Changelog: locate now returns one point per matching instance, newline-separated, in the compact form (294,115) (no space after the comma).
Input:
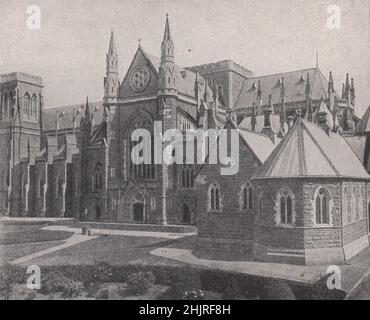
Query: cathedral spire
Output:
(87,109)
(167,31)
(111,82)
(331,92)
(331,82)
(309,111)
(167,77)
(112,45)
(282,110)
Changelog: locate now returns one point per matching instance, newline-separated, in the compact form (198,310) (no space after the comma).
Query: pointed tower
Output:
(309,110)
(282,110)
(353,92)
(331,92)
(111,82)
(259,98)
(167,77)
(253,118)
(347,90)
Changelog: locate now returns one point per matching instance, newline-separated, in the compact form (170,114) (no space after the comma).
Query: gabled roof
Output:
(185,79)
(69,112)
(259,144)
(364,124)
(307,151)
(294,85)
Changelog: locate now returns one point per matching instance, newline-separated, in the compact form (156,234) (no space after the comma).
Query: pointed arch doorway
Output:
(138,211)
(184,214)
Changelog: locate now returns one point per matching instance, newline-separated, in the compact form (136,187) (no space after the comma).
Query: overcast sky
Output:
(265,36)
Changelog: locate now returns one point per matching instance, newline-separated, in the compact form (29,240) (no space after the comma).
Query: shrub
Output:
(278,290)
(57,282)
(194,295)
(5,289)
(13,274)
(103,294)
(102,272)
(233,291)
(139,283)
(188,280)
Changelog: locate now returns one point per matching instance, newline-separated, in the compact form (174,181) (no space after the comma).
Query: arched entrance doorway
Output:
(138,211)
(185,214)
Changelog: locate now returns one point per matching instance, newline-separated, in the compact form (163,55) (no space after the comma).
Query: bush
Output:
(140,283)
(5,289)
(278,290)
(233,291)
(102,272)
(13,274)
(103,294)
(188,280)
(194,295)
(57,282)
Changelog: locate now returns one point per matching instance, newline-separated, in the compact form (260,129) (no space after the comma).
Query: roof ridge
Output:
(275,154)
(321,150)
(280,73)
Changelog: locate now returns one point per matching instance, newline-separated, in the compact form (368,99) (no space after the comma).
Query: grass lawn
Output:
(12,252)
(115,250)
(30,234)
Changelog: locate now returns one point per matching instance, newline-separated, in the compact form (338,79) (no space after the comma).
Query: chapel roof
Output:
(308,151)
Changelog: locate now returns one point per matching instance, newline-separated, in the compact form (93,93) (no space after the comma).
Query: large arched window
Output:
(246,197)
(322,206)
(98,177)
(285,204)
(26,104)
(187,177)
(141,120)
(214,200)
(33,106)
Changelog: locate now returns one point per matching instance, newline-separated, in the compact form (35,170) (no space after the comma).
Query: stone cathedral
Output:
(75,161)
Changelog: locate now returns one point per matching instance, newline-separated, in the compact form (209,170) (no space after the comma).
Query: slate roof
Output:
(259,144)
(185,79)
(246,123)
(358,144)
(66,121)
(307,151)
(364,125)
(294,84)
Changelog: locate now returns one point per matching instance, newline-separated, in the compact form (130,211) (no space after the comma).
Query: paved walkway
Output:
(128,233)
(75,239)
(296,273)
(34,219)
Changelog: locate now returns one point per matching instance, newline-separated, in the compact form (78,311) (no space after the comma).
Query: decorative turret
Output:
(86,123)
(331,92)
(259,95)
(254,119)
(309,112)
(111,82)
(282,110)
(167,76)
(347,89)
(353,92)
